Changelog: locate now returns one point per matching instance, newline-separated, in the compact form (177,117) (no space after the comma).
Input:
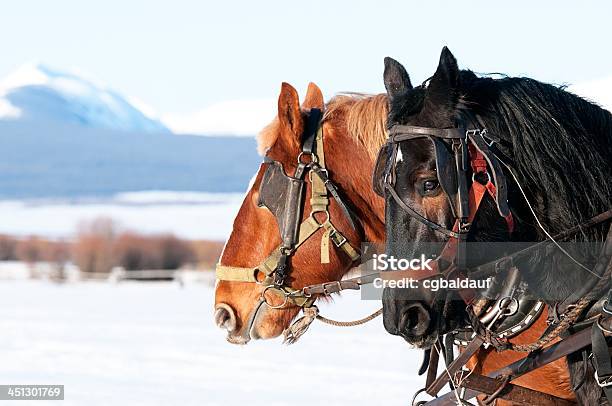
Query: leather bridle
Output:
(469,146)
(284,196)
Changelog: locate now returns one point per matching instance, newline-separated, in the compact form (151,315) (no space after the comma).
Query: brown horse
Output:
(353,131)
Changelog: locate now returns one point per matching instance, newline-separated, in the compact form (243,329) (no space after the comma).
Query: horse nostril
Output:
(414,320)
(225,317)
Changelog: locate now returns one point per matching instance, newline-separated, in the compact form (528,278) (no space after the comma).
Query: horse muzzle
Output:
(409,319)
(225,318)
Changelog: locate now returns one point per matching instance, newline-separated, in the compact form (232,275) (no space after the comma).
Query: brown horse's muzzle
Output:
(225,318)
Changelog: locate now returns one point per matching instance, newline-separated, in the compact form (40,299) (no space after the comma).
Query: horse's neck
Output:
(350,166)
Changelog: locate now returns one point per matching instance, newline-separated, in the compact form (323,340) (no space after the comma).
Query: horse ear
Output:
(314,98)
(289,117)
(289,109)
(396,78)
(443,93)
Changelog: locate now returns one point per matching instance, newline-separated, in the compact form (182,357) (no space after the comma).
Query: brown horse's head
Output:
(256,234)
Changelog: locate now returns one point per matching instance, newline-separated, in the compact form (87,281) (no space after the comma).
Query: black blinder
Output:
(384,169)
(446,170)
(275,191)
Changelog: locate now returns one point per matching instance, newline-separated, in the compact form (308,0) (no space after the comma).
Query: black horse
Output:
(557,157)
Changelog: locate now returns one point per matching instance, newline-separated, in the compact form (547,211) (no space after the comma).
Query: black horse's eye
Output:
(430,185)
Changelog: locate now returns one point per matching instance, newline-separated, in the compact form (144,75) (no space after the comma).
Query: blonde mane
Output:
(364,116)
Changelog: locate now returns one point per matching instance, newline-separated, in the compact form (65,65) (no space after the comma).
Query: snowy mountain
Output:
(40,94)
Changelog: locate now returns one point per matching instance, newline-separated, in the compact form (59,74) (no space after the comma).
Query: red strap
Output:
(449,252)
(477,160)
(477,191)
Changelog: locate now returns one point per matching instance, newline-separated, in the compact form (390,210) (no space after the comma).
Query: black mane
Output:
(560,144)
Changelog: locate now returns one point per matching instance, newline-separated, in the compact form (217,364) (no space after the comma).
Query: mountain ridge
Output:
(59,160)
(36,92)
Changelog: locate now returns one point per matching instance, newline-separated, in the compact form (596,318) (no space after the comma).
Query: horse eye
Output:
(430,185)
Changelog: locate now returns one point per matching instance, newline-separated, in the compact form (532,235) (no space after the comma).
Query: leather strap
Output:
(432,367)
(517,394)
(494,267)
(333,190)
(601,361)
(454,367)
(558,350)
(399,133)
(268,265)
(418,217)
(312,126)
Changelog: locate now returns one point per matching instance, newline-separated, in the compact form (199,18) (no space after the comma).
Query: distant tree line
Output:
(99,247)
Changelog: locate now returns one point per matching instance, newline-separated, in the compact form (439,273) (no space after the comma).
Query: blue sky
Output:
(183,55)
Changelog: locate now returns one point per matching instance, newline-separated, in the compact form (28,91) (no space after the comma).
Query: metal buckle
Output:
(263,297)
(483,134)
(315,169)
(603,382)
(256,273)
(601,327)
(486,173)
(473,132)
(340,242)
(605,307)
(325,285)
(313,158)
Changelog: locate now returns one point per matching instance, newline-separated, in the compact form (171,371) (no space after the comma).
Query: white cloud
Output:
(232,117)
(598,91)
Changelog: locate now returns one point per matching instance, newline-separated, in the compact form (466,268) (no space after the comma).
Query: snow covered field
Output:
(186,214)
(156,344)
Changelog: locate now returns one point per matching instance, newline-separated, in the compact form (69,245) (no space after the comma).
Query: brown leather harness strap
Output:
(454,367)
(513,393)
(558,350)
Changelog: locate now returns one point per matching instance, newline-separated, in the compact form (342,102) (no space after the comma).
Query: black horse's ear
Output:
(443,93)
(396,78)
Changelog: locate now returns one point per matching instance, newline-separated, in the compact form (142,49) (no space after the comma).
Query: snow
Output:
(38,92)
(7,110)
(186,214)
(156,344)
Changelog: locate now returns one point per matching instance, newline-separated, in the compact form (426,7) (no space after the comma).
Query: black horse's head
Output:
(424,203)
(540,154)
(416,314)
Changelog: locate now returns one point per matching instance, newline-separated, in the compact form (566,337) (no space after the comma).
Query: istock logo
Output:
(384,262)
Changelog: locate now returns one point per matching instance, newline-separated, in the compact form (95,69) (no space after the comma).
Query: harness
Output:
(456,150)
(283,195)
